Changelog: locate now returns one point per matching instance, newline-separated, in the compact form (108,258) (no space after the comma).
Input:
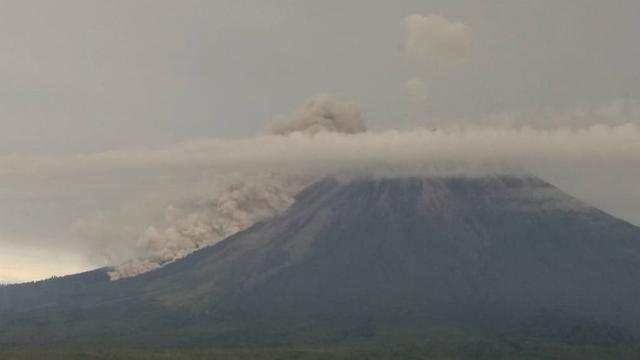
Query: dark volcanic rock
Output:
(373,257)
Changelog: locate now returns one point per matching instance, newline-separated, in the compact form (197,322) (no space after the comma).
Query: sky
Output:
(81,81)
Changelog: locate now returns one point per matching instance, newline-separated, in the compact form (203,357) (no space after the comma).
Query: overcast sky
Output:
(91,76)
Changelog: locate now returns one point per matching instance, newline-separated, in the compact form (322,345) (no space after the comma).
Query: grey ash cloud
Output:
(321,113)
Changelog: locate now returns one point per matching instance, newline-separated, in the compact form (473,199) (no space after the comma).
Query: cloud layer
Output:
(433,39)
(196,193)
(334,152)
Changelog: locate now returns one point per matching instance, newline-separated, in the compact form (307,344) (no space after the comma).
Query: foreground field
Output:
(477,349)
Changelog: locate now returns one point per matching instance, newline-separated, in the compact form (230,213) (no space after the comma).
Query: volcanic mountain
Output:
(367,258)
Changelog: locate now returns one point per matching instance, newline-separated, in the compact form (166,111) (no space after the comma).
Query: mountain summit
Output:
(367,258)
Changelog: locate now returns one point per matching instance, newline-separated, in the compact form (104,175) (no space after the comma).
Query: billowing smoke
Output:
(206,221)
(240,204)
(321,113)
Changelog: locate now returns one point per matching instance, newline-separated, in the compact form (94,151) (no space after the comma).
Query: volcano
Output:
(367,258)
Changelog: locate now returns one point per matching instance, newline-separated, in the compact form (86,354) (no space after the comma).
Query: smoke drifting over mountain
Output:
(321,113)
(163,215)
(328,152)
(206,221)
(314,145)
(210,220)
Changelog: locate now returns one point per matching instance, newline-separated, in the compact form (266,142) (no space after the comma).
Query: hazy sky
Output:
(92,76)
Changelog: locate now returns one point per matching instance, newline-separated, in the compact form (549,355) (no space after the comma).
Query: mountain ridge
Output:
(365,257)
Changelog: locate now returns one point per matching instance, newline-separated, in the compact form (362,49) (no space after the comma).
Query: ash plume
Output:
(206,221)
(321,113)
(180,178)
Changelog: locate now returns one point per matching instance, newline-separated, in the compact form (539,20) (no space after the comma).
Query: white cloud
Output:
(433,40)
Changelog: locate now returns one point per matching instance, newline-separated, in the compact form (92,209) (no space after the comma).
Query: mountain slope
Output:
(376,257)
